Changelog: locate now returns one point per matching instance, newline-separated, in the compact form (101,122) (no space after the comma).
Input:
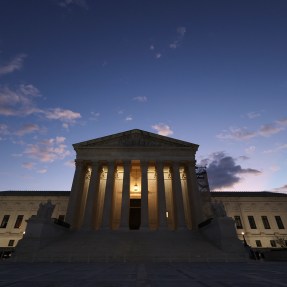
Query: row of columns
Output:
(84,198)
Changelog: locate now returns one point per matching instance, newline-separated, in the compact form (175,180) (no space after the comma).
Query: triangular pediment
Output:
(134,138)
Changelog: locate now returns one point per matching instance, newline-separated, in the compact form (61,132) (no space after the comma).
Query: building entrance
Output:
(135,214)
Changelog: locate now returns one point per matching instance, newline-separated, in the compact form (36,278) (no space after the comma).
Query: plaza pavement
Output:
(248,274)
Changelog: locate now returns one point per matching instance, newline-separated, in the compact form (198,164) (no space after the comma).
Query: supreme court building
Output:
(135,196)
(135,180)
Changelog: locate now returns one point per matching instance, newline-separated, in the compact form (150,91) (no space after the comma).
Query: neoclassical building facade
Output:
(145,185)
(135,180)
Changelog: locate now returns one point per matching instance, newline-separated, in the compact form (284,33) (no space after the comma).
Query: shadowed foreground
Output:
(143,274)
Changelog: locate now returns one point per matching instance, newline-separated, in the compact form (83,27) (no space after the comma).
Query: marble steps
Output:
(126,246)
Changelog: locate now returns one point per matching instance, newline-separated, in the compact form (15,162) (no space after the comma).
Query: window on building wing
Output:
(11,243)
(258,243)
(279,222)
(238,222)
(252,222)
(4,221)
(18,221)
(273,243)
(265,222)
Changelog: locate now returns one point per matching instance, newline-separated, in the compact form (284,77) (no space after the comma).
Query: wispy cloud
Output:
(250,149)
(120,112)
(129,118)
(140,99)
(282,122)
(94,116)
(223,172)
(42,170)
(280,189)
(237,134)
(21,102)
(4,130)
(32,166)
(28,165)
(242,134)
(180,35)
(27,129)
(269,129)
(70,163)
(158,55)
(48,150)
(253,115)
(277,149)
(80,3)
(14,65)
(62,115)
(163,129)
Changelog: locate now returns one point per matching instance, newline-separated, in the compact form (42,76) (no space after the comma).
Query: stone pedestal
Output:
(221,232)
(39,233)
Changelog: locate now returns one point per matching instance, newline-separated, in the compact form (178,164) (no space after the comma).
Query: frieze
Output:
(135,138)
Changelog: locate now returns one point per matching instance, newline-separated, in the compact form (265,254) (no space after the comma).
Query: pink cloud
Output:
(48,150)
(163,129)
(14,65)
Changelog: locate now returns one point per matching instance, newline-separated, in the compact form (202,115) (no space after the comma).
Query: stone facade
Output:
(22,205)
(135,196)
(151,172)
(261,217)
(243,204)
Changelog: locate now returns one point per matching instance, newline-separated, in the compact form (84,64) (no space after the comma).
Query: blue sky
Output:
(208,72)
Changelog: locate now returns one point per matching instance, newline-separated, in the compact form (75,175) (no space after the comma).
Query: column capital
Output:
(79,162)
(111,162)
(190,165)
(126,163)
(159,164)
(175,164)
(144,166)
(95,164)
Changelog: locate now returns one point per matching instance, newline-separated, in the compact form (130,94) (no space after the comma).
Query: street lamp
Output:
(244,240)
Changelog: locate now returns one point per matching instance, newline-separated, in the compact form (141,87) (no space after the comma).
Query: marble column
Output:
(107,210)
(177,191)
(193,194)
(92,198)
(125,211)
(162,220)
(76,192)
(144,196)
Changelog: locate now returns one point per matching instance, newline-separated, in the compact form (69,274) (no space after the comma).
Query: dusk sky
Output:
(210,72)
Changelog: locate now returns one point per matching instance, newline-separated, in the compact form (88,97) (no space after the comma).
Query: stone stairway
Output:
(129,246)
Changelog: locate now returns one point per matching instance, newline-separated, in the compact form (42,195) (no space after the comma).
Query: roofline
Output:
(34,193)
(247,194)
(161,137)
(213,193)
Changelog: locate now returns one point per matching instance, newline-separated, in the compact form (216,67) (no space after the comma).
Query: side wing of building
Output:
(260,217)
(18,206)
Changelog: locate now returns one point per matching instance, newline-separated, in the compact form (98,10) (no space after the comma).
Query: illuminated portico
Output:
(136,196)
(134,180)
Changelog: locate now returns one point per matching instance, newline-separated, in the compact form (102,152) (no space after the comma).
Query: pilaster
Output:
(162,220)
(107,211)
(177,190)
(144,196)
(92,197)
(77,189)
(126,196)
